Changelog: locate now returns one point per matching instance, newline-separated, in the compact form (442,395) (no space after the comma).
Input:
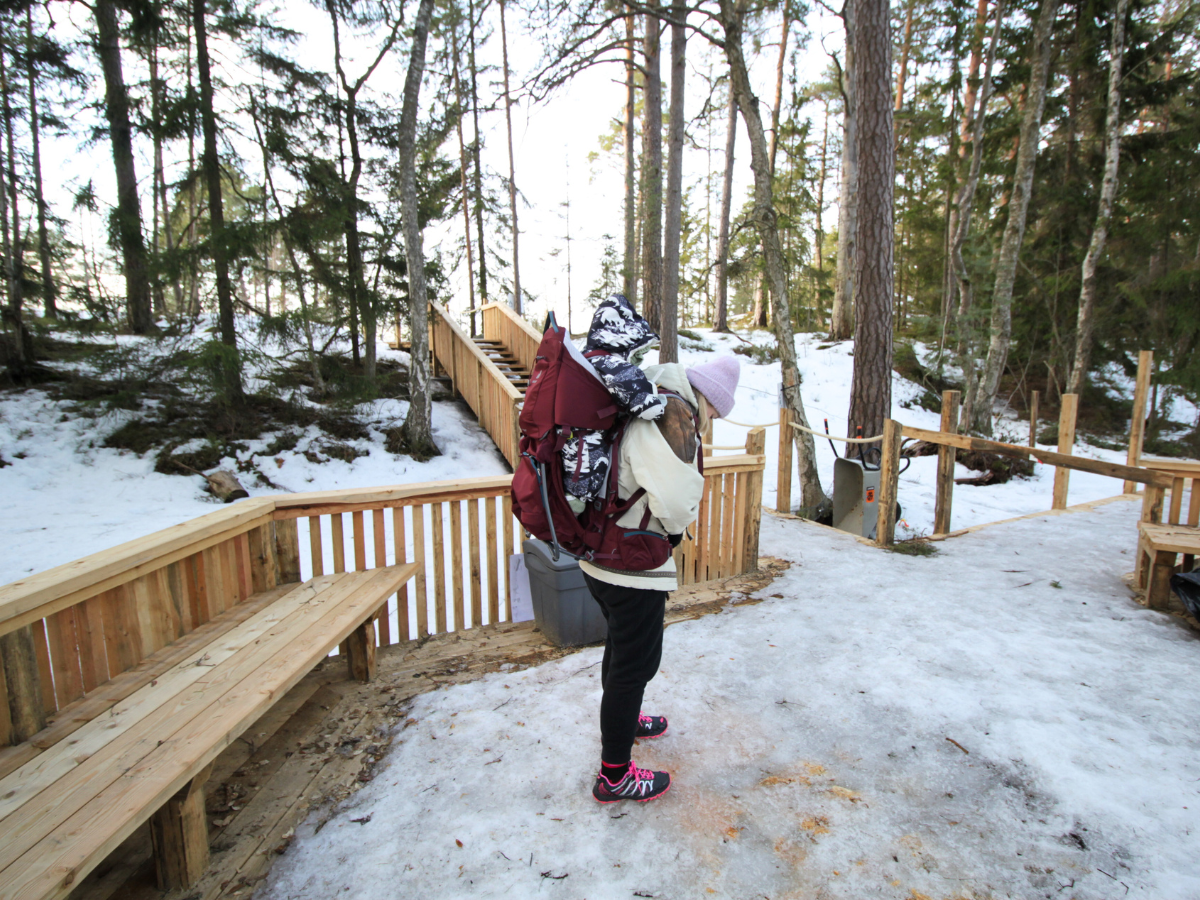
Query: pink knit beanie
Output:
(717,380)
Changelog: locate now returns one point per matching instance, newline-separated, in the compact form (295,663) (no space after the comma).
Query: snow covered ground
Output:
(998,720)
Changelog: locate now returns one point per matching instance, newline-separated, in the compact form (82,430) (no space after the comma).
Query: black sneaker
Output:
(651,726)
(638,784)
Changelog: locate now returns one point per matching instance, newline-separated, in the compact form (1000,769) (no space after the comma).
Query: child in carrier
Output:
(617,340)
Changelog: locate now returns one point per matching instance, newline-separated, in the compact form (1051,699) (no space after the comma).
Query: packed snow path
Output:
(999,720)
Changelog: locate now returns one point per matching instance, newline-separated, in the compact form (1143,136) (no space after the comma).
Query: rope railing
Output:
(844,440)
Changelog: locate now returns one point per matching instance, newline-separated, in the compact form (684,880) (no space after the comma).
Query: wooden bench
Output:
(1161,543)
(139,745)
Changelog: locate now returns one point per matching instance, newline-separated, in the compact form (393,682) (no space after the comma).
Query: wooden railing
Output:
(461,532)
(94,620)
(949,441)
(501,324)
(77,626)
(491,396)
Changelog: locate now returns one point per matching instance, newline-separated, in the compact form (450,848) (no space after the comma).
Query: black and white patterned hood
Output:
(618,329)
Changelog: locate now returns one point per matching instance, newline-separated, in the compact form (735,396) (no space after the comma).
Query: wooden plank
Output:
(507,522)
(490,511)
(263,567)
(121,640)
(476,585)
(459,605)
(6,725)
(41,652)
(737,551)
(44,593)
(944,492)
(179,835)
(1137,424)
(1066,444)
(22,683)
(783,485)
(444,492)
(422,598)
(64,656)
(358,528)
(1175,538)
(93,661)
(109,805)
(337,524)
(1194,504)
(702,529)
(1078,463)
(399,538)
(287,551)
(71,718)
(1176,507)
(439,568)
(889,483)
(201,605)
(379,531)
(315,546)
(728,505)
(1035,398)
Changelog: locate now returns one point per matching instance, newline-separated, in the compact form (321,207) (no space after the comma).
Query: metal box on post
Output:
(855,497)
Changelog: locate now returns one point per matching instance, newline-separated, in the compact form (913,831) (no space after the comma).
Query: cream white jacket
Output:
(673,488)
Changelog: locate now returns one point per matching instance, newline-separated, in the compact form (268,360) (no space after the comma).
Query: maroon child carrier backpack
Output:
(564,394)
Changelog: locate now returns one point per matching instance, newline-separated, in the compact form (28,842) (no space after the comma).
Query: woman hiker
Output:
(659,456)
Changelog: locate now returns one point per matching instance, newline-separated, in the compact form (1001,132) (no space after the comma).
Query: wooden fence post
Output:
(889,479)
(706,439)
(1066,444)
(24,684)
(1137,427)
(756,443)
(287,551)
(783,487)
(1033,417)
(944,497)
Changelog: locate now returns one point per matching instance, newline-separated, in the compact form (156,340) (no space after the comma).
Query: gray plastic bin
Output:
(563,607)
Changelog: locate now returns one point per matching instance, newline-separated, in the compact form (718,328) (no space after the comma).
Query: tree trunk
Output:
(841,320)
(475,153)
(129,212)
(49,289)
(20,354)
(314,360)
(652,173)
(1085,324)
(905,53)
(758,318)
(629,266)
(871,385)
(462,167)
(961,219)
(669,310)
(211,164)
(418,424)
(1014,230)
(732,18)
(721,314)
(518,303)
(820,242)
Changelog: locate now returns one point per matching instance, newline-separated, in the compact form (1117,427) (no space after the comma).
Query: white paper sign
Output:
(518,579)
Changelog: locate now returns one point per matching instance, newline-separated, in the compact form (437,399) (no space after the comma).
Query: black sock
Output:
(613,774)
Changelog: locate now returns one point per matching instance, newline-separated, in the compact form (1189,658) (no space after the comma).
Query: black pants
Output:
(631,657)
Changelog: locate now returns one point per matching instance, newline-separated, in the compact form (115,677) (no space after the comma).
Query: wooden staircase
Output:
(505,360)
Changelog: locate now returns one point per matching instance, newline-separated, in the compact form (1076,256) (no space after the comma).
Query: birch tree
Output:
(417,430)
(1085,324)
(978,409)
